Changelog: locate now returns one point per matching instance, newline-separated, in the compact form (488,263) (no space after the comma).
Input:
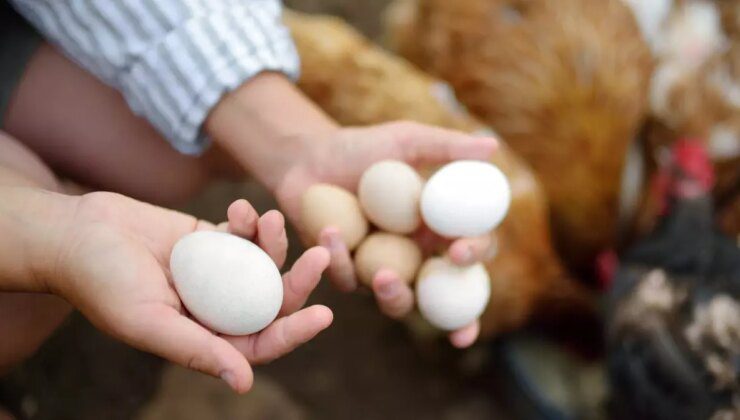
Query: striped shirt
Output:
(172,60)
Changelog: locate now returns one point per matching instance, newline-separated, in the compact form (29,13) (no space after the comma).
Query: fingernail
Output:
(324,242)
(229,378)
(486,135)
(494,143)
(388,290)
(478,149)
(466,256)
(335,242)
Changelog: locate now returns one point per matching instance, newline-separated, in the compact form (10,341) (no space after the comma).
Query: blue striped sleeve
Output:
(173,60)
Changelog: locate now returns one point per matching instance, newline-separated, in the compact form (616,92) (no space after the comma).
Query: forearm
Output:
(267,124)
(32,225)
(174,72)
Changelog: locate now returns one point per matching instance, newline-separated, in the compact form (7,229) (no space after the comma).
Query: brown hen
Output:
(564,82)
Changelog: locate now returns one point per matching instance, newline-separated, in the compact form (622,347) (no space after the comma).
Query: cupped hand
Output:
(114,267)
(341,156)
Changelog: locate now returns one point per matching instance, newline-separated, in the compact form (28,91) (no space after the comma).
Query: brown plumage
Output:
(730,15)
(564,82)
(358,83)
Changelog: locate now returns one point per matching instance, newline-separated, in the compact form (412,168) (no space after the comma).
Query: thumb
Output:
(162,330)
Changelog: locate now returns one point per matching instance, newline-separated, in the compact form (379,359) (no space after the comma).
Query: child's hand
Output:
(342,156)
(114,267)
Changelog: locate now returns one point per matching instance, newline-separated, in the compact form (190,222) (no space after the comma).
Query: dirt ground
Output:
(363,367)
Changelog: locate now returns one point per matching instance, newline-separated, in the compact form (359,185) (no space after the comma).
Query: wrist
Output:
(269,127)
(33,223)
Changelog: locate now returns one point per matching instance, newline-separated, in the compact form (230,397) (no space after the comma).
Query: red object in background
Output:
(657,368)
(661,185)
(607,264)
(689,160)
(692,158)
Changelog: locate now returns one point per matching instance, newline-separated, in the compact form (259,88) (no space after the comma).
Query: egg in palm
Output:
(227,283)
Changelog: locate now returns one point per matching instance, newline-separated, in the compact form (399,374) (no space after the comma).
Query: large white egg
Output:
(389,192)
(465,198)
(449,296)
(226,282)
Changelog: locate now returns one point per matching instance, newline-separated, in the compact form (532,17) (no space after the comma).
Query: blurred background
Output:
(591,98)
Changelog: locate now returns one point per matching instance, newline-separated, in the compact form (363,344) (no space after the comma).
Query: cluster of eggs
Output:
(233,287)
(461,199)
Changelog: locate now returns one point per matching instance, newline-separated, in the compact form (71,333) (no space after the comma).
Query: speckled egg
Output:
(227,283)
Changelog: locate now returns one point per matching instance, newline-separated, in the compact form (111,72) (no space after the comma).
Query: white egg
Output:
(451,297)
(226,282)
(389,193)
(465,198)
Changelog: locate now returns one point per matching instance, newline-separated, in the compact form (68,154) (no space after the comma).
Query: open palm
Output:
(114,267)
(343,157)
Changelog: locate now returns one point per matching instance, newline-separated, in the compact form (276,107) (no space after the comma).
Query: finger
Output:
(466,336)
(284,335)
(395,298)
(467,251)
(422,144)
(430,242)
(242,219)
(205,225)
(341,270)
(272,237)
(300,281)
(162,330)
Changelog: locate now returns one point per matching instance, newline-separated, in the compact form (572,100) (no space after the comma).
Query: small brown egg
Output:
(328,205)
(389,192)
(386,250)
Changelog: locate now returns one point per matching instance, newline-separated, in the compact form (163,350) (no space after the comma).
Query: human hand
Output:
(279,136)
(340,157)
(113,265)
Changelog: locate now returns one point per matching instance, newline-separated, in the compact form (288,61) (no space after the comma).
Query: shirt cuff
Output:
(181,79)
